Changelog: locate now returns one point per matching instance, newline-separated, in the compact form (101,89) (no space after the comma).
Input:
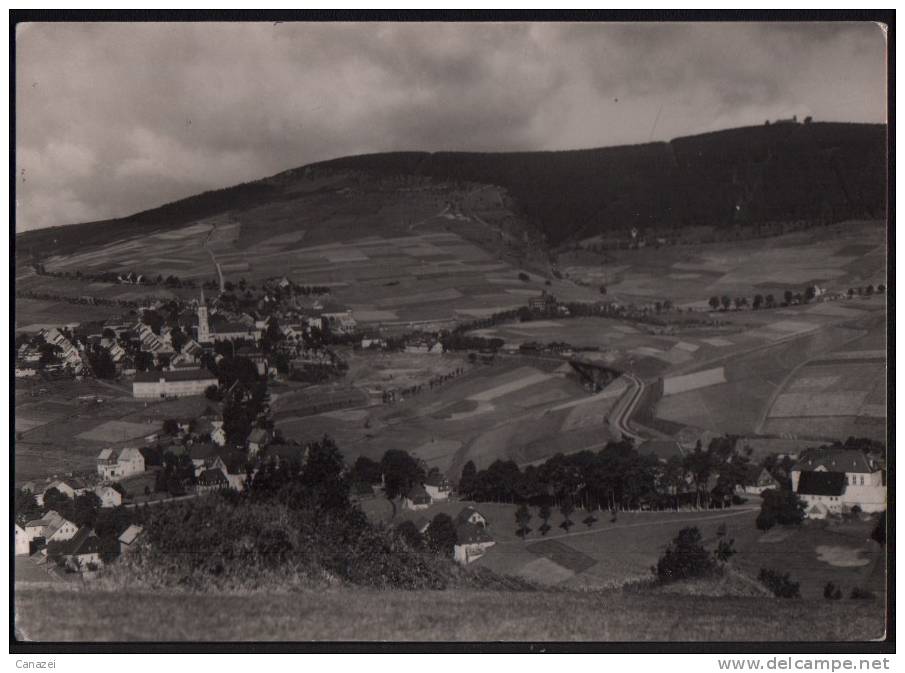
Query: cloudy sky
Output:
(116,118)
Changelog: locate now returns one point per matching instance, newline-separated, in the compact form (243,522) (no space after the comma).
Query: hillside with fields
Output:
(755,176)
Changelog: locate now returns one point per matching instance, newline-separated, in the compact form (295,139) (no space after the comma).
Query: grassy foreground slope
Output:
(354,614)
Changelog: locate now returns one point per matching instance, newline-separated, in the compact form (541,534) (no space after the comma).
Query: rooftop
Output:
(821,483)
(200,374)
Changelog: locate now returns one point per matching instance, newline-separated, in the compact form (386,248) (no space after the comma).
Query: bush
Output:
(779,584)
(831,592)
(779,507)
(685,557)
(522,276)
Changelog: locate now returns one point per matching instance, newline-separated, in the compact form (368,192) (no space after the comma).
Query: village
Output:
(74,524)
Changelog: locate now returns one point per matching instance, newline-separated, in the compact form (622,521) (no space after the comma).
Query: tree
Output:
(408,531)
(879,532)
(566,508)
(779,583)
(771,301)
(589,520)
(779,507)
(714,302)
(832,592)
(810,292)
(758,301)
(788,296)
(101,363)
(26,506)
(441,535)
(726,302)
(685,557)
(108,333)
(366,471)
(212,392)
(171,426)
(523,518)
(400,472)
(545,514)
(178,338)
(466,481)
(869,290)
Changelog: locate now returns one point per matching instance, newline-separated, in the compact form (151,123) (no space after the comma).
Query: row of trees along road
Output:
(617,478)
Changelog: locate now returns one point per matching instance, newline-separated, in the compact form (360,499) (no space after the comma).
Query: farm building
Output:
(822,493)
(257,440)
(80,552)
(212,480)
(108,496)
(760,481)
(340,321)
(180,383)
(437,487)
(115,464)
(129,538)
(417,498)
(544,302)
(471,515)
(472,541)
(861,480)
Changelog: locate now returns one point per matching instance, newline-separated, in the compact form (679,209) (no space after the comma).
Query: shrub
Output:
(522,276)
(861,594)
(685,557)
(779,507)
(879,532)
(832,592)
(779,584)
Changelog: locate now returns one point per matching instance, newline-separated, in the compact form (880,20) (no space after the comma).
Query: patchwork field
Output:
(508,410)
(836,257)
(57,432)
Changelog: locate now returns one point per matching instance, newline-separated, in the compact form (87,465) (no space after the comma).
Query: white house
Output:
(23,544)
(437,488)
(60,530)
(218,434)
(177,383)
(113,464)
(108,496)
(472,542)
(860,480)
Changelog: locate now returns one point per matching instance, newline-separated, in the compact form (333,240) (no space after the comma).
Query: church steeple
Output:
(204,331)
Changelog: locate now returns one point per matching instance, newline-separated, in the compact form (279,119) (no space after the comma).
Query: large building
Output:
(223,330)
(832,481)
(178,383)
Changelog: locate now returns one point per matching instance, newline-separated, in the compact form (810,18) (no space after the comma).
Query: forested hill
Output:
(781,172)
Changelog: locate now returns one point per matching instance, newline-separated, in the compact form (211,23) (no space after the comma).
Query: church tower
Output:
(204,330)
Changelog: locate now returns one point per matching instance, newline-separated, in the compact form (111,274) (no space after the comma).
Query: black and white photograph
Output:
(490,330)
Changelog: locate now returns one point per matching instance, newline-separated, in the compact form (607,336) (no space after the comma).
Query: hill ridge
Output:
(822,172)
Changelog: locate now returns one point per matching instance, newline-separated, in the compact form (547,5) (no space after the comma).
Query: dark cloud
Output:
(115,118)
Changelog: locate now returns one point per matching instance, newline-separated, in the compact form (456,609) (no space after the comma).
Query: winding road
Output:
(621,417)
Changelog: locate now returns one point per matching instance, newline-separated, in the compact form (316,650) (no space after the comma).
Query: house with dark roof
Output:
(258,438)
(472,542)
(862,478)
(212,479)
(437,487)
(417,498)
(80,552)
(470,515)
(822,493)
(181,382)
(759,480)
